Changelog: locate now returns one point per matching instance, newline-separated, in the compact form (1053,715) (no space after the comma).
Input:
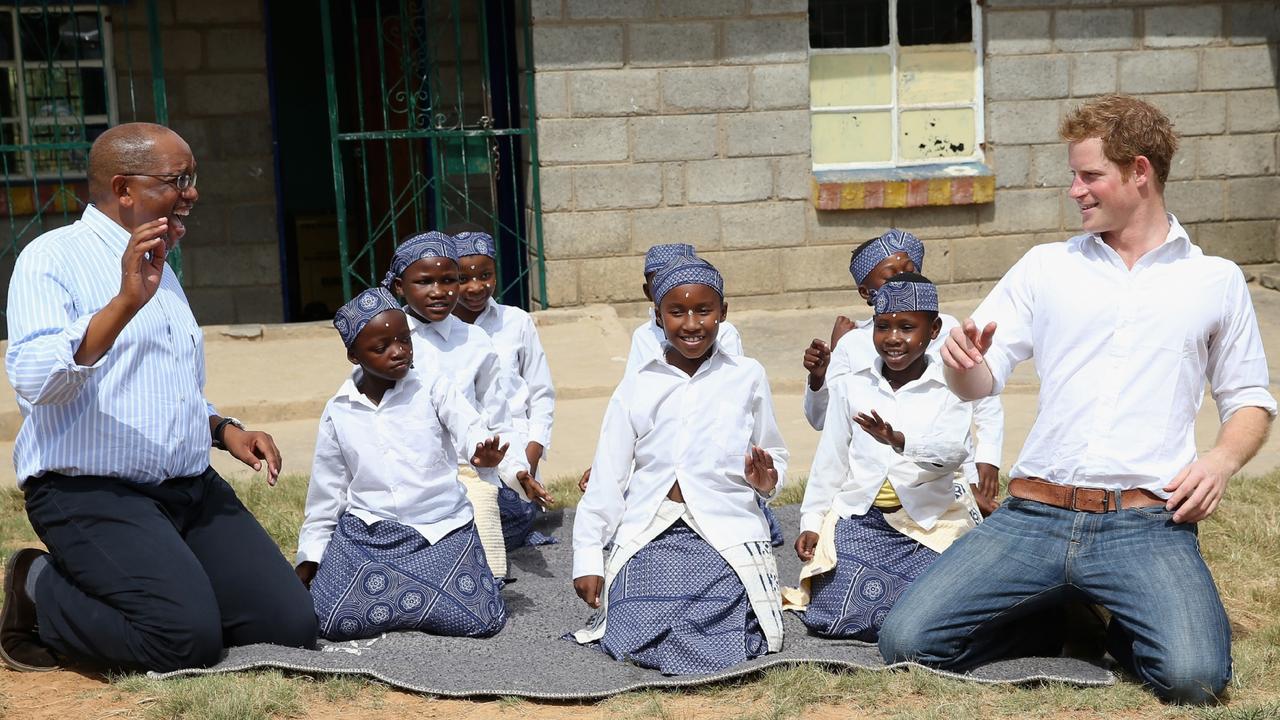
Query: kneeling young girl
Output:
(688,443)
(388,542)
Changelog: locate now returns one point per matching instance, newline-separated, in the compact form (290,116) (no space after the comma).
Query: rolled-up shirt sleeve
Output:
(45,331)
(1237,368)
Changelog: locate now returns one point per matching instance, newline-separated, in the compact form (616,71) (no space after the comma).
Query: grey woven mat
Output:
(528,658)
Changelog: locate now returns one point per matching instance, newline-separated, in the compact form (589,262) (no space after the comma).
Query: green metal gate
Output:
(67,73)
(431,124)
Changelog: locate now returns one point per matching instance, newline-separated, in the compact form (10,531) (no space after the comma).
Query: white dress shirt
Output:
(139,413)
(648,341)
(392,461)
(1123,356)
(857,351)
(850,466)
(533,397)
(663,426)
(466,356)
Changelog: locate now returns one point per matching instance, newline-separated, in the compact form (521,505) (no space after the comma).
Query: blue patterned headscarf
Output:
(660,255)
(875,252)
(427,245)
(473,243)
(906,292)
(358,311)
(686,271)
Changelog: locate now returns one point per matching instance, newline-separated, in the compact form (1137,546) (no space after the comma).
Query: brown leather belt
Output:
(1081,499)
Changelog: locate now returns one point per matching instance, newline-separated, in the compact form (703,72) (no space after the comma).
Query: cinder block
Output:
(1193,201)
(701,8)
(1012,164)
(778,132)
(763,225)
(616,279)
(849,228)
(582,141)
(1237,155)
(1243,242)
(1198,113)
(253,265)
(226,93)
(1245,67)
(1253,110)
(613,92)
(210,305)
(706,89)
(1015,33)
(604,187)
(261,304)
(253,224)
(1254,23)
(183,50)
(577,47)
(562,283)
(987,258)
(552,94)
(771,40)
(1182,26)
(778,7)
(1049,166)
(220,13)
(233,48)
(1027,77)
(1159,71)
(581,234)
(1094,29)
(674,137)
(673,184)
(936,222)
(544,10)
(230,181)
(1249,198)
(793,179)
(671,43)
(1185,162)
(780,86)
(729,181)
(1093,73)
(822,267)
(747,272)
(699,226)
(556,187)
(610,9)
(1021,211)
(1019,123)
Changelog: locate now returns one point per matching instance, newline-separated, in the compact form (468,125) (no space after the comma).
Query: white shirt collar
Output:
(442,328)
(1176,241)
(350,391)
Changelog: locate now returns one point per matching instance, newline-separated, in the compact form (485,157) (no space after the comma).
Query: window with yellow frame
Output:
(894,83)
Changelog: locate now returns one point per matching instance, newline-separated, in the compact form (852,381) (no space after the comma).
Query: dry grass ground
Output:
(1241,543)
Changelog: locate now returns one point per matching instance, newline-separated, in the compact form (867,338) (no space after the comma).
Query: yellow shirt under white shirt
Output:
(663,426)
(1123,355)
(395,460)
(851,466)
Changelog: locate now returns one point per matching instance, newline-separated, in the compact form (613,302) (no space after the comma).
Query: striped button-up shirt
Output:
(138,413)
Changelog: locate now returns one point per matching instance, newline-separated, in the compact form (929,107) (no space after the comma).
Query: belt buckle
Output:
(1106,501)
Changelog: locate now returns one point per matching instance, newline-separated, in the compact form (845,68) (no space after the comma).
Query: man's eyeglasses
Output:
(183,181)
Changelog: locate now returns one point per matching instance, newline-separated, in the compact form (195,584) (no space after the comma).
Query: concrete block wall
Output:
(215,74)
(666,121)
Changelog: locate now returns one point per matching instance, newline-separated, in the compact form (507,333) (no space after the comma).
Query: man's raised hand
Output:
(142,264)
(966,346)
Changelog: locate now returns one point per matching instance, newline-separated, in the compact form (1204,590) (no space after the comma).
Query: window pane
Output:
(8,92)
(65,162)
(65,92)
(848,23)
(936,134)
(935,77)
(851,137)
(6,35)
(934,22)
(10,162)
(60,36)
(854,79)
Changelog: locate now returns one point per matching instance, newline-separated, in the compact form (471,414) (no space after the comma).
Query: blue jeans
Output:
(1168,625)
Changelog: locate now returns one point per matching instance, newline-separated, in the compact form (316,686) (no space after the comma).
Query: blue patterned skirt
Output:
(874,565)
(775,528)
(517,521)
(386,576)
(678,607)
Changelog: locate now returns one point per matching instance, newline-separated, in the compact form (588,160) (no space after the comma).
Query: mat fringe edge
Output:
(671,682)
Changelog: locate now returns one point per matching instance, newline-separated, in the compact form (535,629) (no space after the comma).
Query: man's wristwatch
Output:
(220,428)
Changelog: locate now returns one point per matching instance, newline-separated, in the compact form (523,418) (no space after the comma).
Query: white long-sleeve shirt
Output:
(856,351)
(663,426)
(465,355)
(648,340)
(850,466)
(1123,356)
(392,461)
(533,396)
